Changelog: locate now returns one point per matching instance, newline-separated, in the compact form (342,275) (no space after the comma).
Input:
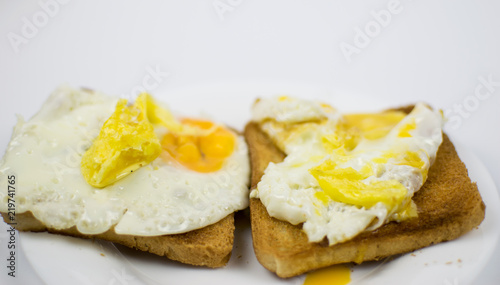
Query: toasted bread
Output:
(210,246)
(449,205)
(164,198)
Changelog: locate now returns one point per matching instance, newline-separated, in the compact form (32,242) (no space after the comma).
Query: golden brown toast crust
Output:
(210,246)
(449,205)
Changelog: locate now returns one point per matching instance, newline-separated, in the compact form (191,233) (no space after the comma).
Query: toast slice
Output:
(77,117)
(449,205)
(210,246)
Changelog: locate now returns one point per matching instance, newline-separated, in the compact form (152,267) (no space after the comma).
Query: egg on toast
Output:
(92,165)
(331,188)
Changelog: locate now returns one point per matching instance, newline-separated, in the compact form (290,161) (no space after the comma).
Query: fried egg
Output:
(95,162)
(344,173)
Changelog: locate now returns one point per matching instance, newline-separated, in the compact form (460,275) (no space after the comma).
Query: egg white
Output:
(160,198)
(290,110)
(287,189)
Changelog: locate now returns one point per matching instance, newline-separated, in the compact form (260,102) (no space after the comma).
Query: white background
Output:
(431,51)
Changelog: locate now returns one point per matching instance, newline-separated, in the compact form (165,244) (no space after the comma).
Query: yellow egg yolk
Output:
(405,130)
(374,126)
(334,275)
(348,185)
(355,127)
(126,142)
(202,153)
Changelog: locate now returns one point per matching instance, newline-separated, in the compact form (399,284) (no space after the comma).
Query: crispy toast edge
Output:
(210,246)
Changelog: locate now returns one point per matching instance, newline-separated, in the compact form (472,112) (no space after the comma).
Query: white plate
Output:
(65,260)
(432,51)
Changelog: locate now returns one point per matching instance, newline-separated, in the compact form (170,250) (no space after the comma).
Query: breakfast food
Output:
(94,166)
(329,188)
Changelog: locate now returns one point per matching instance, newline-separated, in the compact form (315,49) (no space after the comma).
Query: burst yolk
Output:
(202,153)
(405,130)
(334,275)
(125,143)
(348,185)
(374,126)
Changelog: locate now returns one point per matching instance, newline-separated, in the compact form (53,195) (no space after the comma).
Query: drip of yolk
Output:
(334,275)
(204,152)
